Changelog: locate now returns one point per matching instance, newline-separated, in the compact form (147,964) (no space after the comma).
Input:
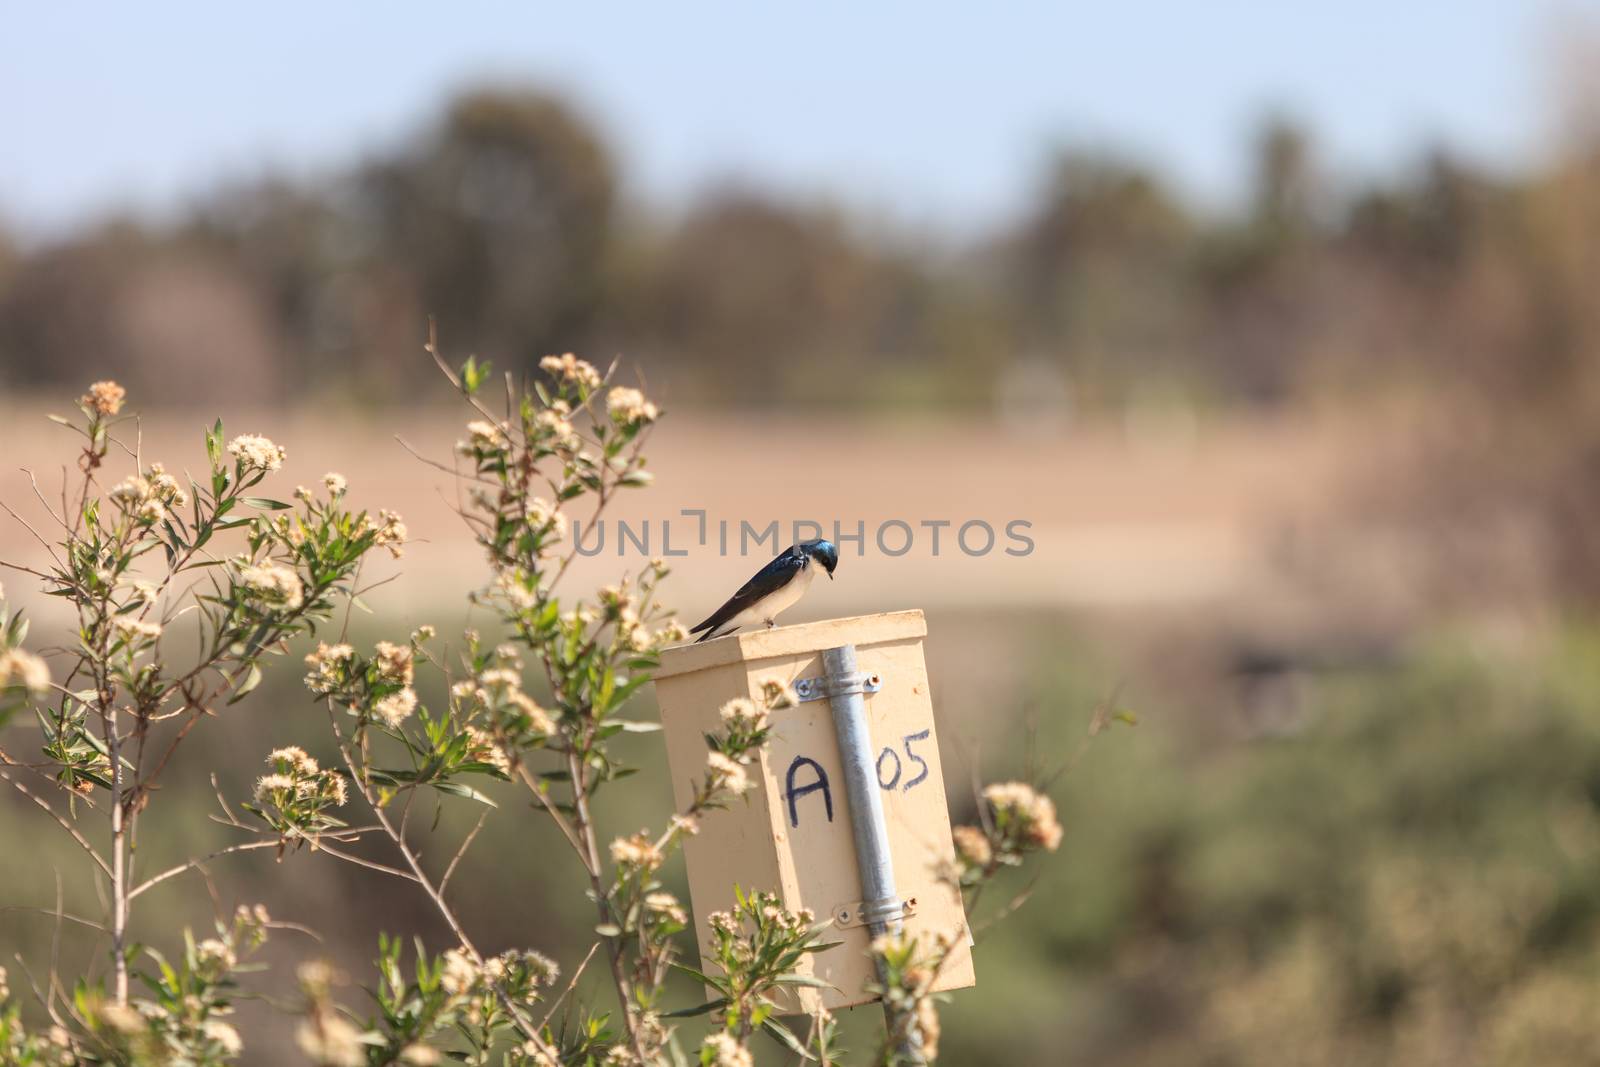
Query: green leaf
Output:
(822,946)
(698,1009)
(785,1037)
(632,727)
(456,789)
(214,443)
(699,976)
(252,678)
(266,504)
(474,374)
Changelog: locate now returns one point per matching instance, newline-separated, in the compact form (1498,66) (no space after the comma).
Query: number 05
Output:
(899,767)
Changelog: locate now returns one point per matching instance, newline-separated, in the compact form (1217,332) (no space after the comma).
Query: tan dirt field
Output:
(1118,519)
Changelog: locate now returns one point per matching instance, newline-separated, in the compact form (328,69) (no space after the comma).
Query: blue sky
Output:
(930,112)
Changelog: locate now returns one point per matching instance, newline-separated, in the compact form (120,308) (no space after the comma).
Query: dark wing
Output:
(769,579)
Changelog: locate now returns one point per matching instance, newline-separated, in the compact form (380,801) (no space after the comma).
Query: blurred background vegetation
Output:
(1315,478)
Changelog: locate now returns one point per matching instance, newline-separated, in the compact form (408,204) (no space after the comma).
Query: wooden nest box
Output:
(796,833)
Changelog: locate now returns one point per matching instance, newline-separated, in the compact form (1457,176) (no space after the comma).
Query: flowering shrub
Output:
(243,574)
(756,947)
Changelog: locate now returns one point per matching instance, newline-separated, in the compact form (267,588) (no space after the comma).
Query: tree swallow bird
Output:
(777,586)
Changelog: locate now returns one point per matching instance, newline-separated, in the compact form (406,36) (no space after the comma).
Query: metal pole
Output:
(881,907)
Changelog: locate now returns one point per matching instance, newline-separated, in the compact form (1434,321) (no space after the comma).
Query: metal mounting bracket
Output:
(822,688)
(858,913)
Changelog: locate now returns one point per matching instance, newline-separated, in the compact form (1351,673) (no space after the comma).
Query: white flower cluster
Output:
(272,586)
(396,708)
(460,973)
(972,846)
(395,665)
(745,714)
(622,607)
(555,425)
(166,487)
(149,497)
(499,691)
(542,515)
(135,631)
(295,757)
(297,778)
(666,905)
(103,398)
(1031,813)
(629,406)
(778,694)
(726,773)
(255,452)
(394,662)
(22,669)
(570,368)
(636,853)
(483,436)
(215,954)
(539,970)
(522,972)
(324,664)
(392,533)
(483,748)
(331,1040)
(726,1051)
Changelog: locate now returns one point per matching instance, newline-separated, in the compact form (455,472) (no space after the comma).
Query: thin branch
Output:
(1102,717)
(57,816)
(602,901)
(55,914)
(1011,907)
(571,985)
(173,872)
(452,471)
(36,535)
(34,482)
(33,982)
(432,348)
(222,801)
(811,1038)
(462,851)
(37,769)
(555,813)
(380,583)
(55,938)
(371,864)
(277,924)
(420,877)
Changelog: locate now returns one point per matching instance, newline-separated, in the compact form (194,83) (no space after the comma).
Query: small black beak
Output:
(830,576)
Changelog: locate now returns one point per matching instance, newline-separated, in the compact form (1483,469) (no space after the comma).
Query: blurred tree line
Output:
(1465,293)
(503,219)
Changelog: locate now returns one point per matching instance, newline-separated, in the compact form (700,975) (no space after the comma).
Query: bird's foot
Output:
(770,624)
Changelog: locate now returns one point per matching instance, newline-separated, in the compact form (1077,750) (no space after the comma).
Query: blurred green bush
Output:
(1412,878)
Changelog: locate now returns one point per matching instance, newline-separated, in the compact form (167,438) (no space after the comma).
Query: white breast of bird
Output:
(766,609)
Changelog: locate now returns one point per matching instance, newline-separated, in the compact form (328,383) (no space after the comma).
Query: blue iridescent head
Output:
(823,552)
